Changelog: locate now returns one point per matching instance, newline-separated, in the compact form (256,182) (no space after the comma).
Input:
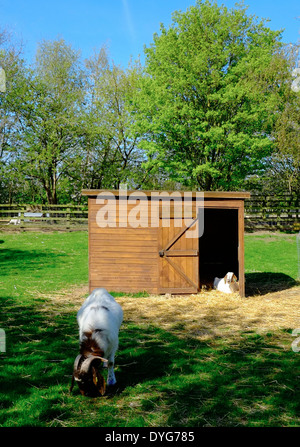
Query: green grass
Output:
(42,262)
(250,379)
(271,261)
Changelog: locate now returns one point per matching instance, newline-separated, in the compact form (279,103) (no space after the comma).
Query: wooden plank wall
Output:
(126,259)
(122,259)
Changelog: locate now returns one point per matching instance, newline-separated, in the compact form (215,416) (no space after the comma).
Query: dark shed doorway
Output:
(218,246)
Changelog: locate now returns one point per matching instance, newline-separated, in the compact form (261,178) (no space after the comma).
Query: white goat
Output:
(99,321)
(228,284)
(15,221)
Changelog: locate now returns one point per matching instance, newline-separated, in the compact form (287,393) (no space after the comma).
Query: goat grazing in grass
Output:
(99,320)
(228,284)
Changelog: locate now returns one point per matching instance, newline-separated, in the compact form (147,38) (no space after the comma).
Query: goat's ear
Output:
(99,382)
(234,278)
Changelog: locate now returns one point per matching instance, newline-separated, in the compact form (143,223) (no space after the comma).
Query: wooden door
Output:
(178,256)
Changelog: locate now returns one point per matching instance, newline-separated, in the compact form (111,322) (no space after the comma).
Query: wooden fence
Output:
(261,213)
(264,212)
(55,217)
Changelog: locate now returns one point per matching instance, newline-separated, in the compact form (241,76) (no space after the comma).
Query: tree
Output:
(69,126)
(210,96)
(110,153)
(281,172)
(286,163)
(10,126)
(49,109)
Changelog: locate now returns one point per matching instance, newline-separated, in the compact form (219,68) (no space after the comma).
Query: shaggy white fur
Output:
(99,320)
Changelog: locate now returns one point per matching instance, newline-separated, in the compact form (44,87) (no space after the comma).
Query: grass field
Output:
(205,360)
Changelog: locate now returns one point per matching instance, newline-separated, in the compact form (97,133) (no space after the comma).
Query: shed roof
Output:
(207,194)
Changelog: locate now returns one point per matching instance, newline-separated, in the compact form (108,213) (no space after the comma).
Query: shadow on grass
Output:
(245,381)
(248,380)
(15,259)
(266,282)
(37,355)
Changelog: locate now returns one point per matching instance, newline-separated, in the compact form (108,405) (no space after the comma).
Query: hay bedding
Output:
(212,313)
(202,316)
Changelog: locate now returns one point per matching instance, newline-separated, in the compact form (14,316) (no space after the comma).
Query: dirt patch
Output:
(205,315)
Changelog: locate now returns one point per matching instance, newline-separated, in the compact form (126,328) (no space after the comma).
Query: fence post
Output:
(68,218)
(22,223)
(298,247)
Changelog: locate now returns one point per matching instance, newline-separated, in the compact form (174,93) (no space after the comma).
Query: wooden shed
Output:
(164,242)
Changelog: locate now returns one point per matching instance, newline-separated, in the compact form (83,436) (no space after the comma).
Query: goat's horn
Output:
(75,370)
(77,361)
(87,362)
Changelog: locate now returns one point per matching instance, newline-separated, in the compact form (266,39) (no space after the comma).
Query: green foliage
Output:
(10,119)
(281,175)
(111,155)
(281,171)
(51,103)
(208,99)
(212,107)
(68,126)
(287,135)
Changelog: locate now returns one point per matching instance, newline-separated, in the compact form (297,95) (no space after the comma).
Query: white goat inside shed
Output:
(228,284)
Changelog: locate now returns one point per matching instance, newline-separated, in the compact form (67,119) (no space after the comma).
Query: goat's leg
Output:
(111,378)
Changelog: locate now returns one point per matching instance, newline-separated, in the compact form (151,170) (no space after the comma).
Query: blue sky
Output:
(125,26)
